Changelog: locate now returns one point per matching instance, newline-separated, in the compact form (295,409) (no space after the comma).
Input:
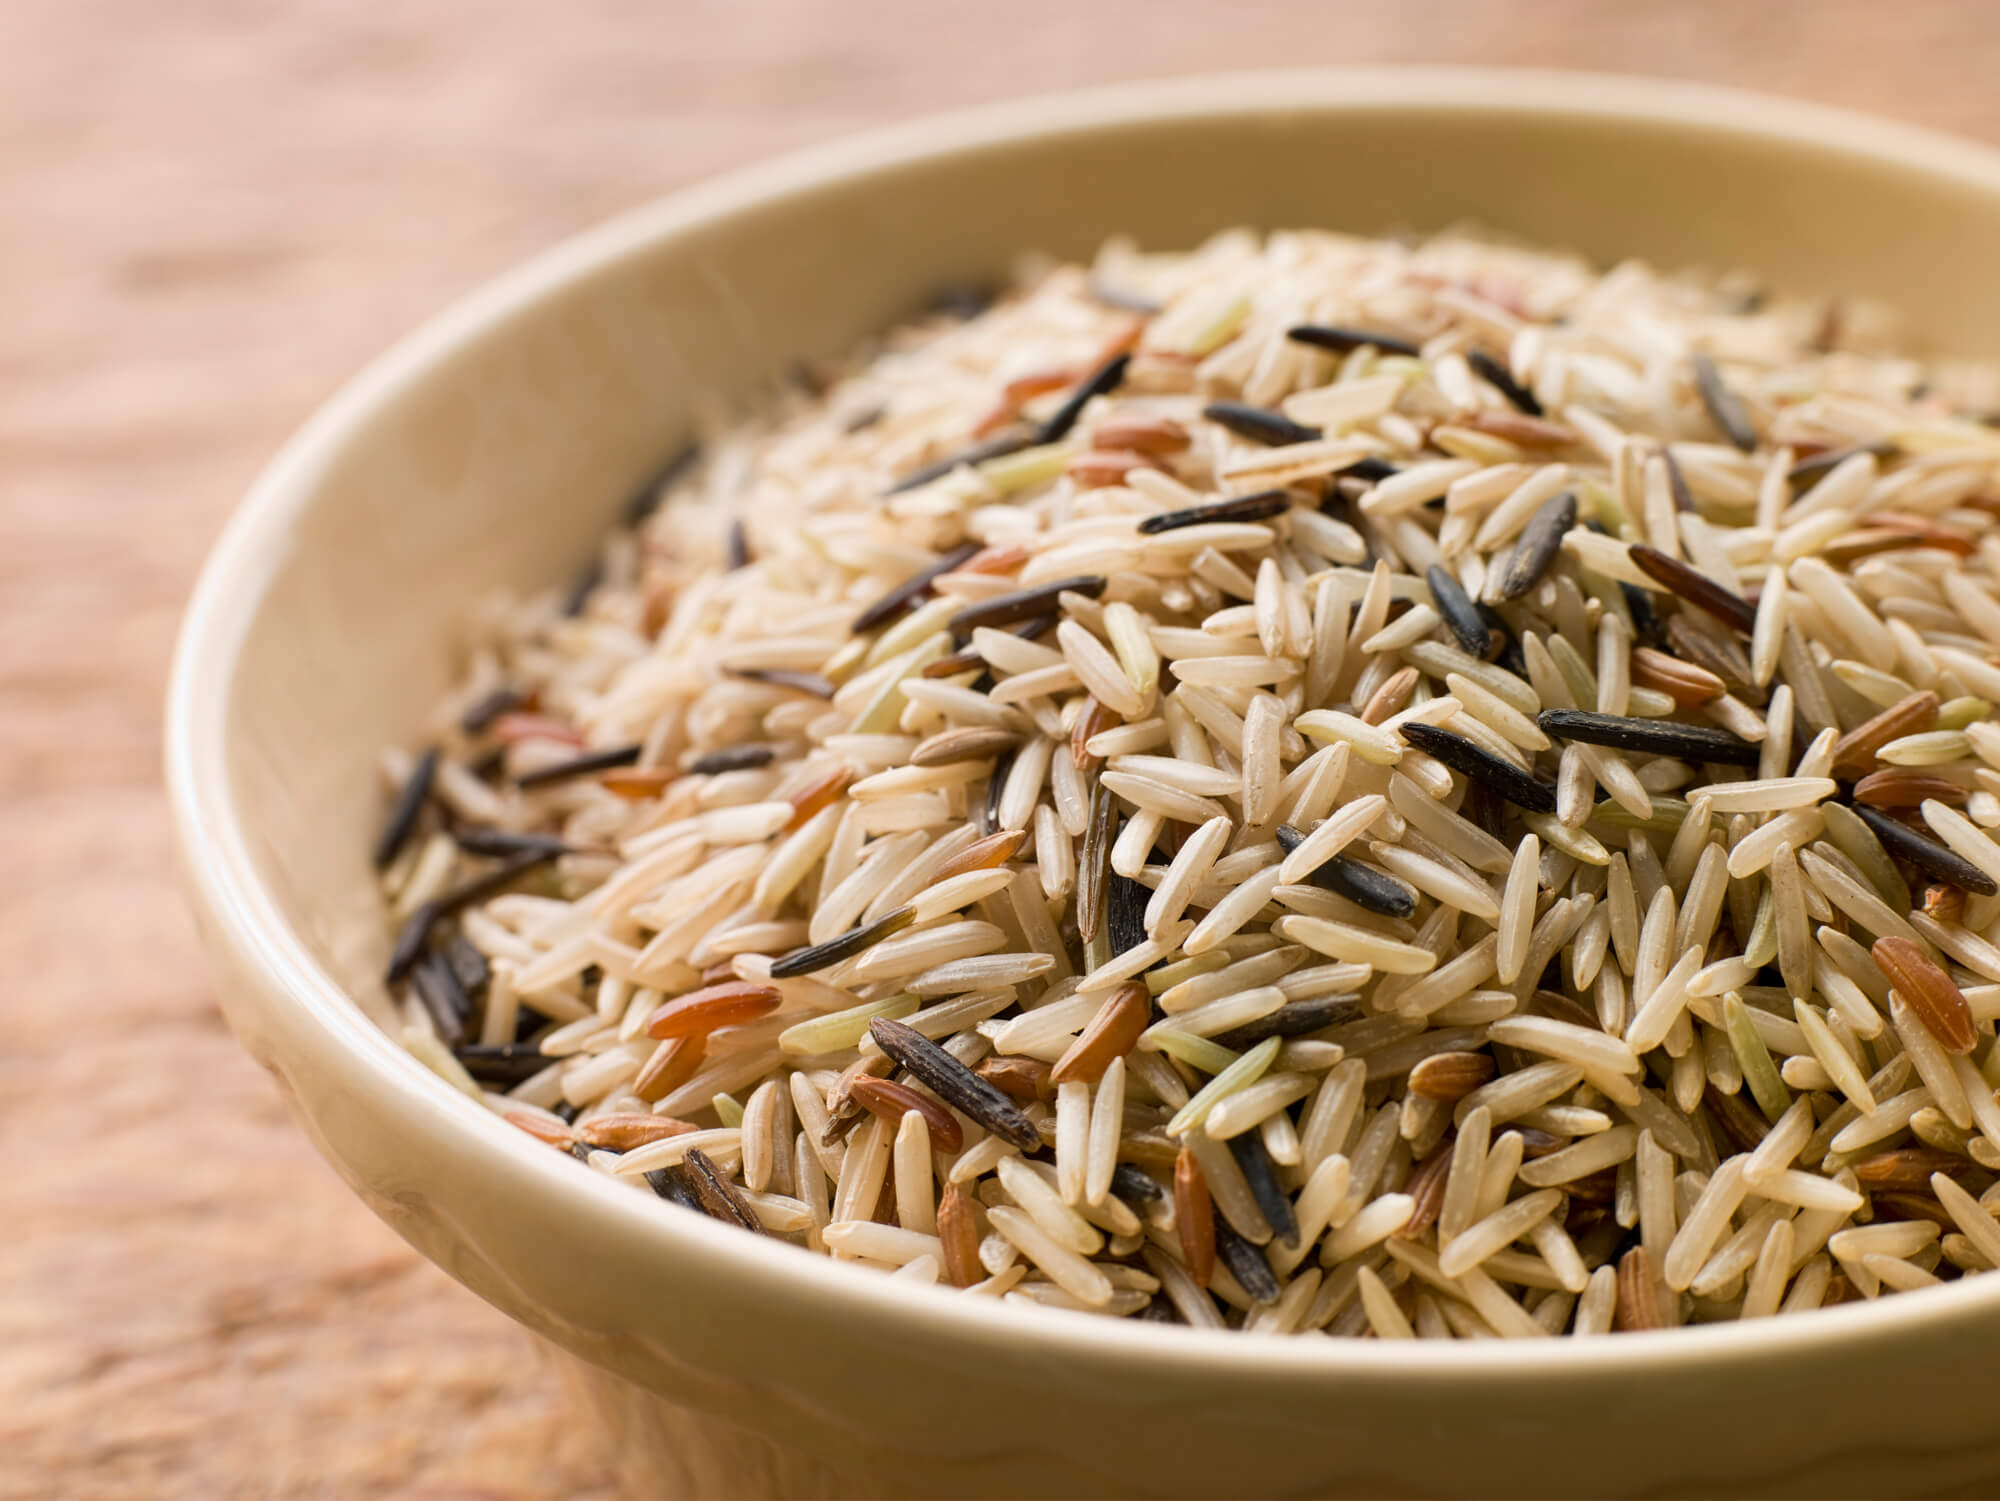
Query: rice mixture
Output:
(1314,785)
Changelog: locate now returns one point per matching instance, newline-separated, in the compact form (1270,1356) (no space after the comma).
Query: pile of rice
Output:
(1317,784)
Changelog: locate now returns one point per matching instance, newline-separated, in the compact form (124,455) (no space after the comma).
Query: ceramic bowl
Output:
(493,446)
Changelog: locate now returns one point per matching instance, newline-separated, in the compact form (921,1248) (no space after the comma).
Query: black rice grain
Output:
(1105,379)
(996,786)
(1646,627)
(1461,616)
(1247,1147)
(502,1065)
(1361,884)
(488,882)
(442,996)
(580,766)
(1477,764)
(410,939)
(671,1184)
(1340,340)
(1094,870)
(468,965)
(1365,886)
(1725,407)
(735,758)
(1293,1019)
(822,955)
(1012,441)
(1125,912)
(1038,626)
(407,808)
(1540,541)
(1697,588)
(1259,507)
(502,700)
(1135,1185)
(1024,604)
(718,1197)
(476,839)
(1246,1263)
(907,593)
(1502,380)
(951,666)
(954,1083)
(1677,483)
(1651,737)
(1370,470)
(1506,647)
(1259,424)
(1930,857)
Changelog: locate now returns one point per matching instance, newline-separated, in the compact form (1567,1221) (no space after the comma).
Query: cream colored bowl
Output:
(492,446)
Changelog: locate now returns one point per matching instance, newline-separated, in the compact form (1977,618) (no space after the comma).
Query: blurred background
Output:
(212,213)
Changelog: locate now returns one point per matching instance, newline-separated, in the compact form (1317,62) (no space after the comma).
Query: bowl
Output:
(493,446)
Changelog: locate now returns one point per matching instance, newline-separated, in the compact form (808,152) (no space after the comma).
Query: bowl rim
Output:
(297,992)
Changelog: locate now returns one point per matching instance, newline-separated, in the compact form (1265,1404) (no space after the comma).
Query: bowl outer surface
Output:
(493,446)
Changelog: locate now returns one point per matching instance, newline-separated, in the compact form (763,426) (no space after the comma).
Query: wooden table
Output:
(211,214)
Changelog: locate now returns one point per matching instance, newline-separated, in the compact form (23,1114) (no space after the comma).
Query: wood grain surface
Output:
(210,213)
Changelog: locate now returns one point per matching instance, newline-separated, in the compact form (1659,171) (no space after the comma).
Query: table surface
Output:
(214,212)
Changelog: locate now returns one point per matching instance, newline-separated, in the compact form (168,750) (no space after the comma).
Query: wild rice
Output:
(1536,550)
(1109,754)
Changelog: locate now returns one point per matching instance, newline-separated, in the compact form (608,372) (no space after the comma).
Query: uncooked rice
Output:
(1316,785)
